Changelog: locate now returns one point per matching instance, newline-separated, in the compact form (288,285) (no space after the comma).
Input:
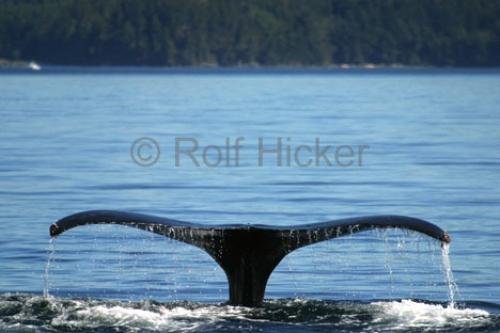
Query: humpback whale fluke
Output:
(247,253)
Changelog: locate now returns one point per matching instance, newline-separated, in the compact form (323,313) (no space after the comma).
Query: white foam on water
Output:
(29,313)
(405,314)
(178,318)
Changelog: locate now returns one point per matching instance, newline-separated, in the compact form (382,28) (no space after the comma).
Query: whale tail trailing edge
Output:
(248,254)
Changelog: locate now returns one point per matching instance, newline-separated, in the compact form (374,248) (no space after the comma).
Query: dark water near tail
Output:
(433,153)
(285,315)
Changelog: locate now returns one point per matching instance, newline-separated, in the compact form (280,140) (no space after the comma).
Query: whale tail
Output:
(248,254)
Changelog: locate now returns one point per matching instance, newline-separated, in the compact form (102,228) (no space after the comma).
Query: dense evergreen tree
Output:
(265,32)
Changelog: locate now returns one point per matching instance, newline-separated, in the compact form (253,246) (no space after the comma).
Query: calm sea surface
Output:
(431,149)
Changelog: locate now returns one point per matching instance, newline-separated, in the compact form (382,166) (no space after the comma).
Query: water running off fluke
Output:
(51,251)
(452,287)
(248,253)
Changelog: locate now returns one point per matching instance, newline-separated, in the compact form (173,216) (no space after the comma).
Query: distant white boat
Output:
(34,66)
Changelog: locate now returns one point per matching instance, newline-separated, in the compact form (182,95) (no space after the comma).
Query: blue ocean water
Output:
(431,150)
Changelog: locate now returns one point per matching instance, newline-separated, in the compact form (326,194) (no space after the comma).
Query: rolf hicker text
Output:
(261,152)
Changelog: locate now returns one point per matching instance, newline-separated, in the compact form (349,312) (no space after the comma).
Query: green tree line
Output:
(246,32)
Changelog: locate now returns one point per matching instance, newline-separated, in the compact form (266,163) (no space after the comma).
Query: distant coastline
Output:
(27,64)
(30,65)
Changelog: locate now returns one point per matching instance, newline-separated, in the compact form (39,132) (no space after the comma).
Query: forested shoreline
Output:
(251,32)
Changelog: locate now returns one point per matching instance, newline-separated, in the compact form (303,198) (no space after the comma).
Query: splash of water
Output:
(407,315)
(30,312)
(452,287)
(50,251)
